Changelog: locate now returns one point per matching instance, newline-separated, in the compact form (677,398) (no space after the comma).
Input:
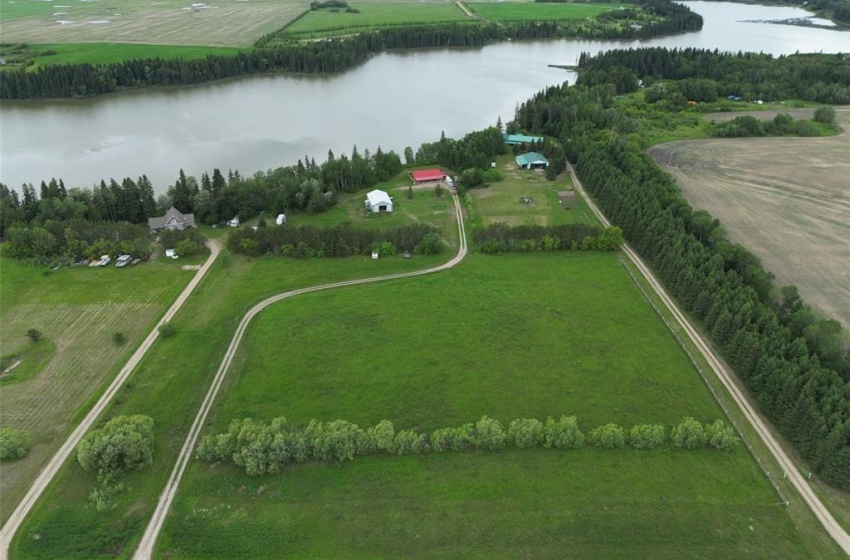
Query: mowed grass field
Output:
(785,199)
(233,23)
(373,15)
(533,11)
(509,336)
(78,311)
(526,197)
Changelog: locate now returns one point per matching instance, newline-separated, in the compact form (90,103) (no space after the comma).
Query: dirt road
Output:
(45,476)
(725,375)
(148,542)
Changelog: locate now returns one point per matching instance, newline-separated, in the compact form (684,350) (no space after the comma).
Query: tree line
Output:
(707,74)
(793,361)
(504,238)
(268,448)
(276,53)
(338,241)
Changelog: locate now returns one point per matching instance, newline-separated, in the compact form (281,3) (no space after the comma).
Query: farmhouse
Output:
(379,201)
(531,160)
(173,219)
(426,175)
(520,139)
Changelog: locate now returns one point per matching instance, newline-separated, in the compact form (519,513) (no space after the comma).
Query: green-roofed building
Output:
(531,160)
(520,139)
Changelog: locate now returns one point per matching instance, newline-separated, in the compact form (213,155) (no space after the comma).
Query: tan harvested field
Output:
(73,310)
(786,199)
(164,22)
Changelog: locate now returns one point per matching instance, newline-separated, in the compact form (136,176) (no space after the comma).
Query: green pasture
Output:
(374,15)
(169,385)
(538,504)
(534,11)
(512,336)
(509,336)
(27,362)
(526,197)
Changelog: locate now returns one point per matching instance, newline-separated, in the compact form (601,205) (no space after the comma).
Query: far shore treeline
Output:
(794,362)
(322,56)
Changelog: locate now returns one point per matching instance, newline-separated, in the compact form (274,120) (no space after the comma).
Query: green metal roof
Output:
(531,157)
(521,138)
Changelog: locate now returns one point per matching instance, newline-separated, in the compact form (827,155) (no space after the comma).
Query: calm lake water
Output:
(394,100)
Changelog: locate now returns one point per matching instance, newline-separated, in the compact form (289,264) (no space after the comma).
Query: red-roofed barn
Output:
(425,175)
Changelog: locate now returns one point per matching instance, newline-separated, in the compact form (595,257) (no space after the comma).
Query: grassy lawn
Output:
(504,202)
(424,207)
(535,504)
(78,310)
(532,11)
(450,352)
(159,22)
(168,386)
(105,53)
(375,14)
(453,353)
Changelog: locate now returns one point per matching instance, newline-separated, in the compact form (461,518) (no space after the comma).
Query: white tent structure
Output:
(379,201)
(281,219)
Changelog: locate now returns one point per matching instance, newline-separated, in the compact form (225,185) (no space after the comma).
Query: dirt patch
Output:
(190,267)
(567,199)
(785,199)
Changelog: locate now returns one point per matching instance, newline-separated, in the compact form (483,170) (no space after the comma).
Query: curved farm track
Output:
(833,528)
(785,199)
(147,545)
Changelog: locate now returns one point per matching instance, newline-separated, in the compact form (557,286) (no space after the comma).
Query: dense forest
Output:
(793,361)
(709,75)
(310,57)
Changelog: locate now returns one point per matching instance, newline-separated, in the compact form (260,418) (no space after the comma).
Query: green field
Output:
(528,198)
(374,15)
(510,336)
(78,311)
(533,11)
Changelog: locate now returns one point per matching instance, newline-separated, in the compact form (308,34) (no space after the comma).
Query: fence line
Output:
(704,377)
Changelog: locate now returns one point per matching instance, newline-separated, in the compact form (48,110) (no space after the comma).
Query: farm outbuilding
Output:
(520,139)
(531,160)
(379,201)
(280,220)
(426,175)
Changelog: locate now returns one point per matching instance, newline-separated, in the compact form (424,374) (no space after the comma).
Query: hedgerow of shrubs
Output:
(267,448)
(502,238)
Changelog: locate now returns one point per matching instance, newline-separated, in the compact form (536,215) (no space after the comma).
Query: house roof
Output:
(521,138)
(427,174)
(173,215)
(531,158)
(378,197)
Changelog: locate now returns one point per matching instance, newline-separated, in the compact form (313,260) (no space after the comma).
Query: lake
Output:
(394,100)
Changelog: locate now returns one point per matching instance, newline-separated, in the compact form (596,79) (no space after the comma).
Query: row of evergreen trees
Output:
(793,362)
(77,80)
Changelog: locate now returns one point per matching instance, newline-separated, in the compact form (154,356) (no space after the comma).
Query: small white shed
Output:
(281,219)
(379,201)
(234,222)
